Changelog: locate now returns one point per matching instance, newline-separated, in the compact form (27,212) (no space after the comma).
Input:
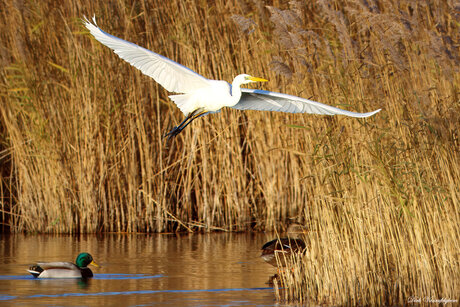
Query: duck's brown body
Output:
(284,247)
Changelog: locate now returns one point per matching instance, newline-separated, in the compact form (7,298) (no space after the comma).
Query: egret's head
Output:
(245,79)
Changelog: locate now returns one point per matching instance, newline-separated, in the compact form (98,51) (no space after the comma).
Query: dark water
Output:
(140,270)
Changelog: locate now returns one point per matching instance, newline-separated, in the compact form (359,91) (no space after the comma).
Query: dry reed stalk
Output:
(352,260)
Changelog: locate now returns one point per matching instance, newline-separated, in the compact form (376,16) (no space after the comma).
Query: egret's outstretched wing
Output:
(261,100)
(171,75)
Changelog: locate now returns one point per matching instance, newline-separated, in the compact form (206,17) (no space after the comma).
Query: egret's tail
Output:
(184,103)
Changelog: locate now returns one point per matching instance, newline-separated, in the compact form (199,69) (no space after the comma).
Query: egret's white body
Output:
(206,97)
(200,96)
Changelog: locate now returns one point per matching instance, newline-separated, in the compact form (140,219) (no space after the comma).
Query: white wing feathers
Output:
(171,75)
(252,99)
(180,79)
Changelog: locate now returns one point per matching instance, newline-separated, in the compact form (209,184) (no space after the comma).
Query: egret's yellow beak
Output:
(95,264)
(255,79)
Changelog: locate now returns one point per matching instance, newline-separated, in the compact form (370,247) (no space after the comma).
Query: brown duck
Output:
(284,247)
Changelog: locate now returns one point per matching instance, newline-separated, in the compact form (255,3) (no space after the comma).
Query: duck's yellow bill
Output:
(255,79)
(95,264)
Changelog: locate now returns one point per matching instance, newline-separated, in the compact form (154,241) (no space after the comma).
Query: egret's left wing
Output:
(252,99)
(171,75)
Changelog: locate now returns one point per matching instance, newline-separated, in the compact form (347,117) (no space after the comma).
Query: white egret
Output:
(201,96)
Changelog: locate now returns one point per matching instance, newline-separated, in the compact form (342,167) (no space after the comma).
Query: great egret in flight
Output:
(201,96)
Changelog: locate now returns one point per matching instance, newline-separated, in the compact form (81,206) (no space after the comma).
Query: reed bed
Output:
(82,149)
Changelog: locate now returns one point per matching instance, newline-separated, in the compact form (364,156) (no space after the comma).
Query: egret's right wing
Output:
(171,75)
(253,99)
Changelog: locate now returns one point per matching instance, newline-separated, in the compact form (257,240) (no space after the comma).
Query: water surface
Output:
(140,270)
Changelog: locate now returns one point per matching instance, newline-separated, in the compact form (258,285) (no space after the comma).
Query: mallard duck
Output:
(287,246)
(64,269)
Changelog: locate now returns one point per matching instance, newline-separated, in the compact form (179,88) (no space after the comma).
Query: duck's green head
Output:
(84,259)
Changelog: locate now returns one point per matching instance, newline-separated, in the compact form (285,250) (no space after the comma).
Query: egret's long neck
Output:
(235,91)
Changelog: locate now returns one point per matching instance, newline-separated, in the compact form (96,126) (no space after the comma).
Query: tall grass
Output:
(82,150)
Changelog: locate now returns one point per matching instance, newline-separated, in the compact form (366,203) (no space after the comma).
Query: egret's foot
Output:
(191,117)
(174,131)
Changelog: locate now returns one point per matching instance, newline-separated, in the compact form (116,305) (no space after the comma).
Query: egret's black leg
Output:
(174,131)
(191,117)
